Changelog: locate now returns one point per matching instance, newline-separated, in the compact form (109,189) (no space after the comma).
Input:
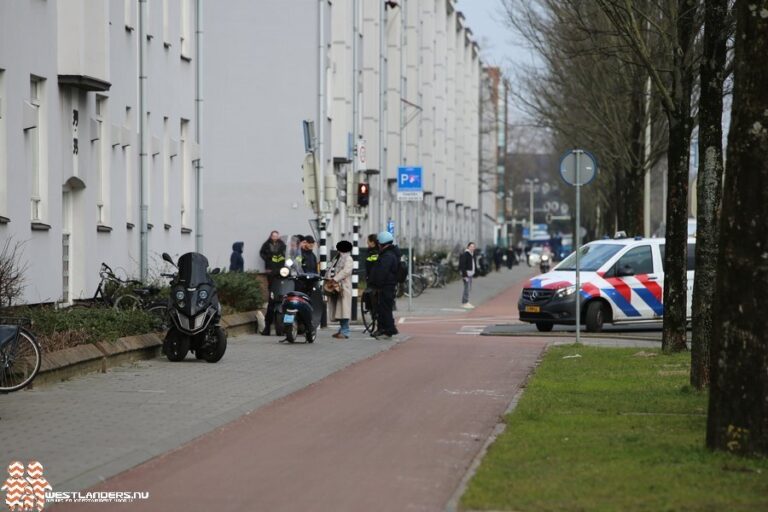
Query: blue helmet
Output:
(385,237)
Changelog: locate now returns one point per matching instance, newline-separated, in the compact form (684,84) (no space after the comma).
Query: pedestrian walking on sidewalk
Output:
(384,279)
(467,268)
(340,303)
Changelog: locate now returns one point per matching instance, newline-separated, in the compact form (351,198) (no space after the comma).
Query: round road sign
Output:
(587,167)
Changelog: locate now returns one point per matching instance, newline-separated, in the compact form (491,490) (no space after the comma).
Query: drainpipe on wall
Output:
(321,115)
(143,142)
(199,124)
(381,221)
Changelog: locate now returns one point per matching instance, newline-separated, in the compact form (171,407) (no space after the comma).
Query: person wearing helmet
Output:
(384,278)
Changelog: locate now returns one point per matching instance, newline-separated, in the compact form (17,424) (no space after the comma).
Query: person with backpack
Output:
(467,268)
(384,278)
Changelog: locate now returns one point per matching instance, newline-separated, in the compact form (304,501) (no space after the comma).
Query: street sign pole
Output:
(578,246)
(409,188)
(410,259)
(578,168)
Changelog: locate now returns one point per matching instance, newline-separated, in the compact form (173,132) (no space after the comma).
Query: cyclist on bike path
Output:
(384,278)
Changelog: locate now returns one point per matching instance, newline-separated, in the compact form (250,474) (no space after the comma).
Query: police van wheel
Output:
(595,317)
(544,326)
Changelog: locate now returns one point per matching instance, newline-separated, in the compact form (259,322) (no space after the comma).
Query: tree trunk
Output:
(709,185)
(738,400)
(678,156)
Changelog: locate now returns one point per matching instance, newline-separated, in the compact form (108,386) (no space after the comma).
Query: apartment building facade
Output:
(70,191)
(400,79)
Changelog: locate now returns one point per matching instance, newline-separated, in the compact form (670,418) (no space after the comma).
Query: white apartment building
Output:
(69,142)
(403,76)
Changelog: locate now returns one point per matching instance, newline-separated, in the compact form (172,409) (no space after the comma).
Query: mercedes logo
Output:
(534,295)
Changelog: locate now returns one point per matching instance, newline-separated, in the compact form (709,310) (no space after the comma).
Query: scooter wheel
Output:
(217,352)
(292,332)
(176,346)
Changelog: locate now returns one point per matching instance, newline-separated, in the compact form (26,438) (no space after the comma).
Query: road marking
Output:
(471,330)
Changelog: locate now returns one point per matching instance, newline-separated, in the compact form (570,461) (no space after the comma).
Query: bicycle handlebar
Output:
(168,275)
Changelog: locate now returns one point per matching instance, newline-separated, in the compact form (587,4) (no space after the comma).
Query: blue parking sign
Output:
(409,184)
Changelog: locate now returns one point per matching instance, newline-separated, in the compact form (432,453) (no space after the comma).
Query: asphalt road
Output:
(397,431)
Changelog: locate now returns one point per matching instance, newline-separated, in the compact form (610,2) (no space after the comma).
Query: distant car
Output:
(534,256)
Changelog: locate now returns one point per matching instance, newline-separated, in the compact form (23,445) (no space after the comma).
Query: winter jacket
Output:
(340,305)
(467,263)
(308,262)
(384,272)
(236,263)
(273,254)
(370,261)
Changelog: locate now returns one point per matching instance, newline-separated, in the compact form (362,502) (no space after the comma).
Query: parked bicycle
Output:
(20,354)
(126,295)
(419,284)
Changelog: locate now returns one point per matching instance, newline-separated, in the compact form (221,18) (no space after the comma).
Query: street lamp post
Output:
(531,183)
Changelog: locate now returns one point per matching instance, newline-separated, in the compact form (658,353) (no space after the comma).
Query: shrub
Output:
(61,328)
(240,291)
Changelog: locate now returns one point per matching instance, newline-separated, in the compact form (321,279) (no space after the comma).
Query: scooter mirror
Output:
(217,270)
(167,257)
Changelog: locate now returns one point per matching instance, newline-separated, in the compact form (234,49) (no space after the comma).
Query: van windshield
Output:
(591,257)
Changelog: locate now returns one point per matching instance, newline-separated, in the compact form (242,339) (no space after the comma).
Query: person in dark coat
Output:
(498,257)
(308,258)
(467,269)
(236,263)
(273,254)
(384,279)
(373,254)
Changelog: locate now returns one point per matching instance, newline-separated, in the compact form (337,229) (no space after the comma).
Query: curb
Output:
(97,357)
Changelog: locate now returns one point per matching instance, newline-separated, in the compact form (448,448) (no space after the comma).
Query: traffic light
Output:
(362,194)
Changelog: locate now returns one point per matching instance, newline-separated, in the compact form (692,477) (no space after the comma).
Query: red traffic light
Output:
(362,194)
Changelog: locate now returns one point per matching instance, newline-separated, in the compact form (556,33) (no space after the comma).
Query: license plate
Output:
(288,319)
(533,309)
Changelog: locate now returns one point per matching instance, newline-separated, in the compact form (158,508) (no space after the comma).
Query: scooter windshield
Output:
(193,270)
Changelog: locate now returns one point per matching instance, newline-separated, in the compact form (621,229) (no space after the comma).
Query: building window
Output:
(166,156)
(101,160)
(3,154)
(186,173)
(186,29)
(34,142)
(128,154)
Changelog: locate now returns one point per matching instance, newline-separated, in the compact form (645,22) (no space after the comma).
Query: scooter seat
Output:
(297,294)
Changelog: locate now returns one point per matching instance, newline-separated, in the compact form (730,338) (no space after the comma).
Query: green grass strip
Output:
(612,431)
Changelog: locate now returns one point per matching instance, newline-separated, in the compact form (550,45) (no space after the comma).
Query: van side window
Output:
(639,258)
(691,257)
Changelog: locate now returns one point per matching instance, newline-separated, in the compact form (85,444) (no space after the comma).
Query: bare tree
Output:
(738,408)
(674,25)
(12,270)
(712,76)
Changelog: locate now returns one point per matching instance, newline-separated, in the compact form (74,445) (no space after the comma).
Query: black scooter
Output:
(301,309)
(195,311)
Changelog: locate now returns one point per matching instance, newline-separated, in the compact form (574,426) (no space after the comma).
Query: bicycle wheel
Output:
(160,313)
(368,313)
(419,284)
(127,302)
(20,361)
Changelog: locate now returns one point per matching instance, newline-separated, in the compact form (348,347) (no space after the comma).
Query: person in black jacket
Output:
(384,279)
(467,268)
(273,254)
(373,254)
(307,257)
(236,263)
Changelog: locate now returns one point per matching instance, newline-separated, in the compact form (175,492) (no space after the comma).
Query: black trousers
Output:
(384,307)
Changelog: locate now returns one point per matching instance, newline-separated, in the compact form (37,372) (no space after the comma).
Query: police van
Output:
(622,281)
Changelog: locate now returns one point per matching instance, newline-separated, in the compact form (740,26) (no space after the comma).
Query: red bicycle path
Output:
(397,431)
